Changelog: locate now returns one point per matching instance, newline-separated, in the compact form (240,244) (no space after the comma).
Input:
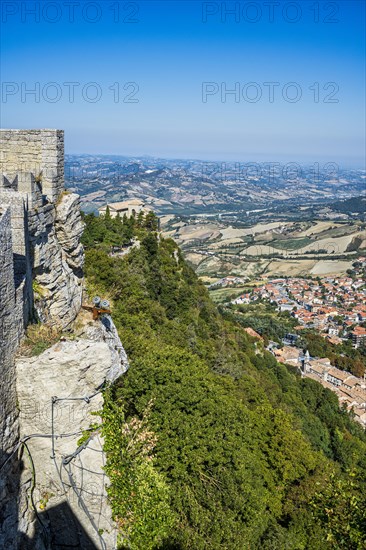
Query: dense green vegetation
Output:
(355,204)
(107,232)
(210,443)
(264,318)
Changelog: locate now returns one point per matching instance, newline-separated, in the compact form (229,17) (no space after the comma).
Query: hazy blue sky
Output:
(169,50)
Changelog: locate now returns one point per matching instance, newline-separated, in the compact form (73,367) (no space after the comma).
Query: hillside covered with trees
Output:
(211,444)
(274,325)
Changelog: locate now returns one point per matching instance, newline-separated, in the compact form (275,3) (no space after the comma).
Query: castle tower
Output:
(39,152)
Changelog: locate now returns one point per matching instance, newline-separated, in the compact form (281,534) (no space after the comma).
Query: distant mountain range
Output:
(193,187)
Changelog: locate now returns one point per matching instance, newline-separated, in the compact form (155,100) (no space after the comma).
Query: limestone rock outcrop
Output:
(58,259)
(69,229)
(58,392)
(52,490)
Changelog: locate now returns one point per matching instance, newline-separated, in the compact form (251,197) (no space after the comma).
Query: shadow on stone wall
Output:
(58,529)
(10,470)
(20,268)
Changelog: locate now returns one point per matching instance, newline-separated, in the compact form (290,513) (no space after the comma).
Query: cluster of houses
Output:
(228,281)
(333,305)
(336,308)
(351,391)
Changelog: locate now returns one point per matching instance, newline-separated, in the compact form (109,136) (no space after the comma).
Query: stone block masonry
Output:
(46,223)
(9,335)
(17,203)
(40,152)
(9,421)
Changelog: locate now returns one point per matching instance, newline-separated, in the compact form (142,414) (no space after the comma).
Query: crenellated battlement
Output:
(36,152)
(26,184)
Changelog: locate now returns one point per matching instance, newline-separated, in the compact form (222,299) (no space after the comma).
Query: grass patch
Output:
(62,195)
(38,289)
(38,338)
(291,244)
(224,294)
(338,232)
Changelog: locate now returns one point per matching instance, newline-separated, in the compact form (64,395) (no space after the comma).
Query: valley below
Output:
(240,219)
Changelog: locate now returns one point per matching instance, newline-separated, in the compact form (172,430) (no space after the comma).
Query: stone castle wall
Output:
(9,335)
(18,207)
(40,152)
(41,262)
(46,224)
(31,202)
(31,178)
(9,421)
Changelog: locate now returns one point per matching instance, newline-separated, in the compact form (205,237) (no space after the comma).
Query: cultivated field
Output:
(316,247)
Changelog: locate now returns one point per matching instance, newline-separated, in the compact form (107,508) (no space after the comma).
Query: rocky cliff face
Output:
(58,393)
(52,489)
(55,232)
(63,501)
